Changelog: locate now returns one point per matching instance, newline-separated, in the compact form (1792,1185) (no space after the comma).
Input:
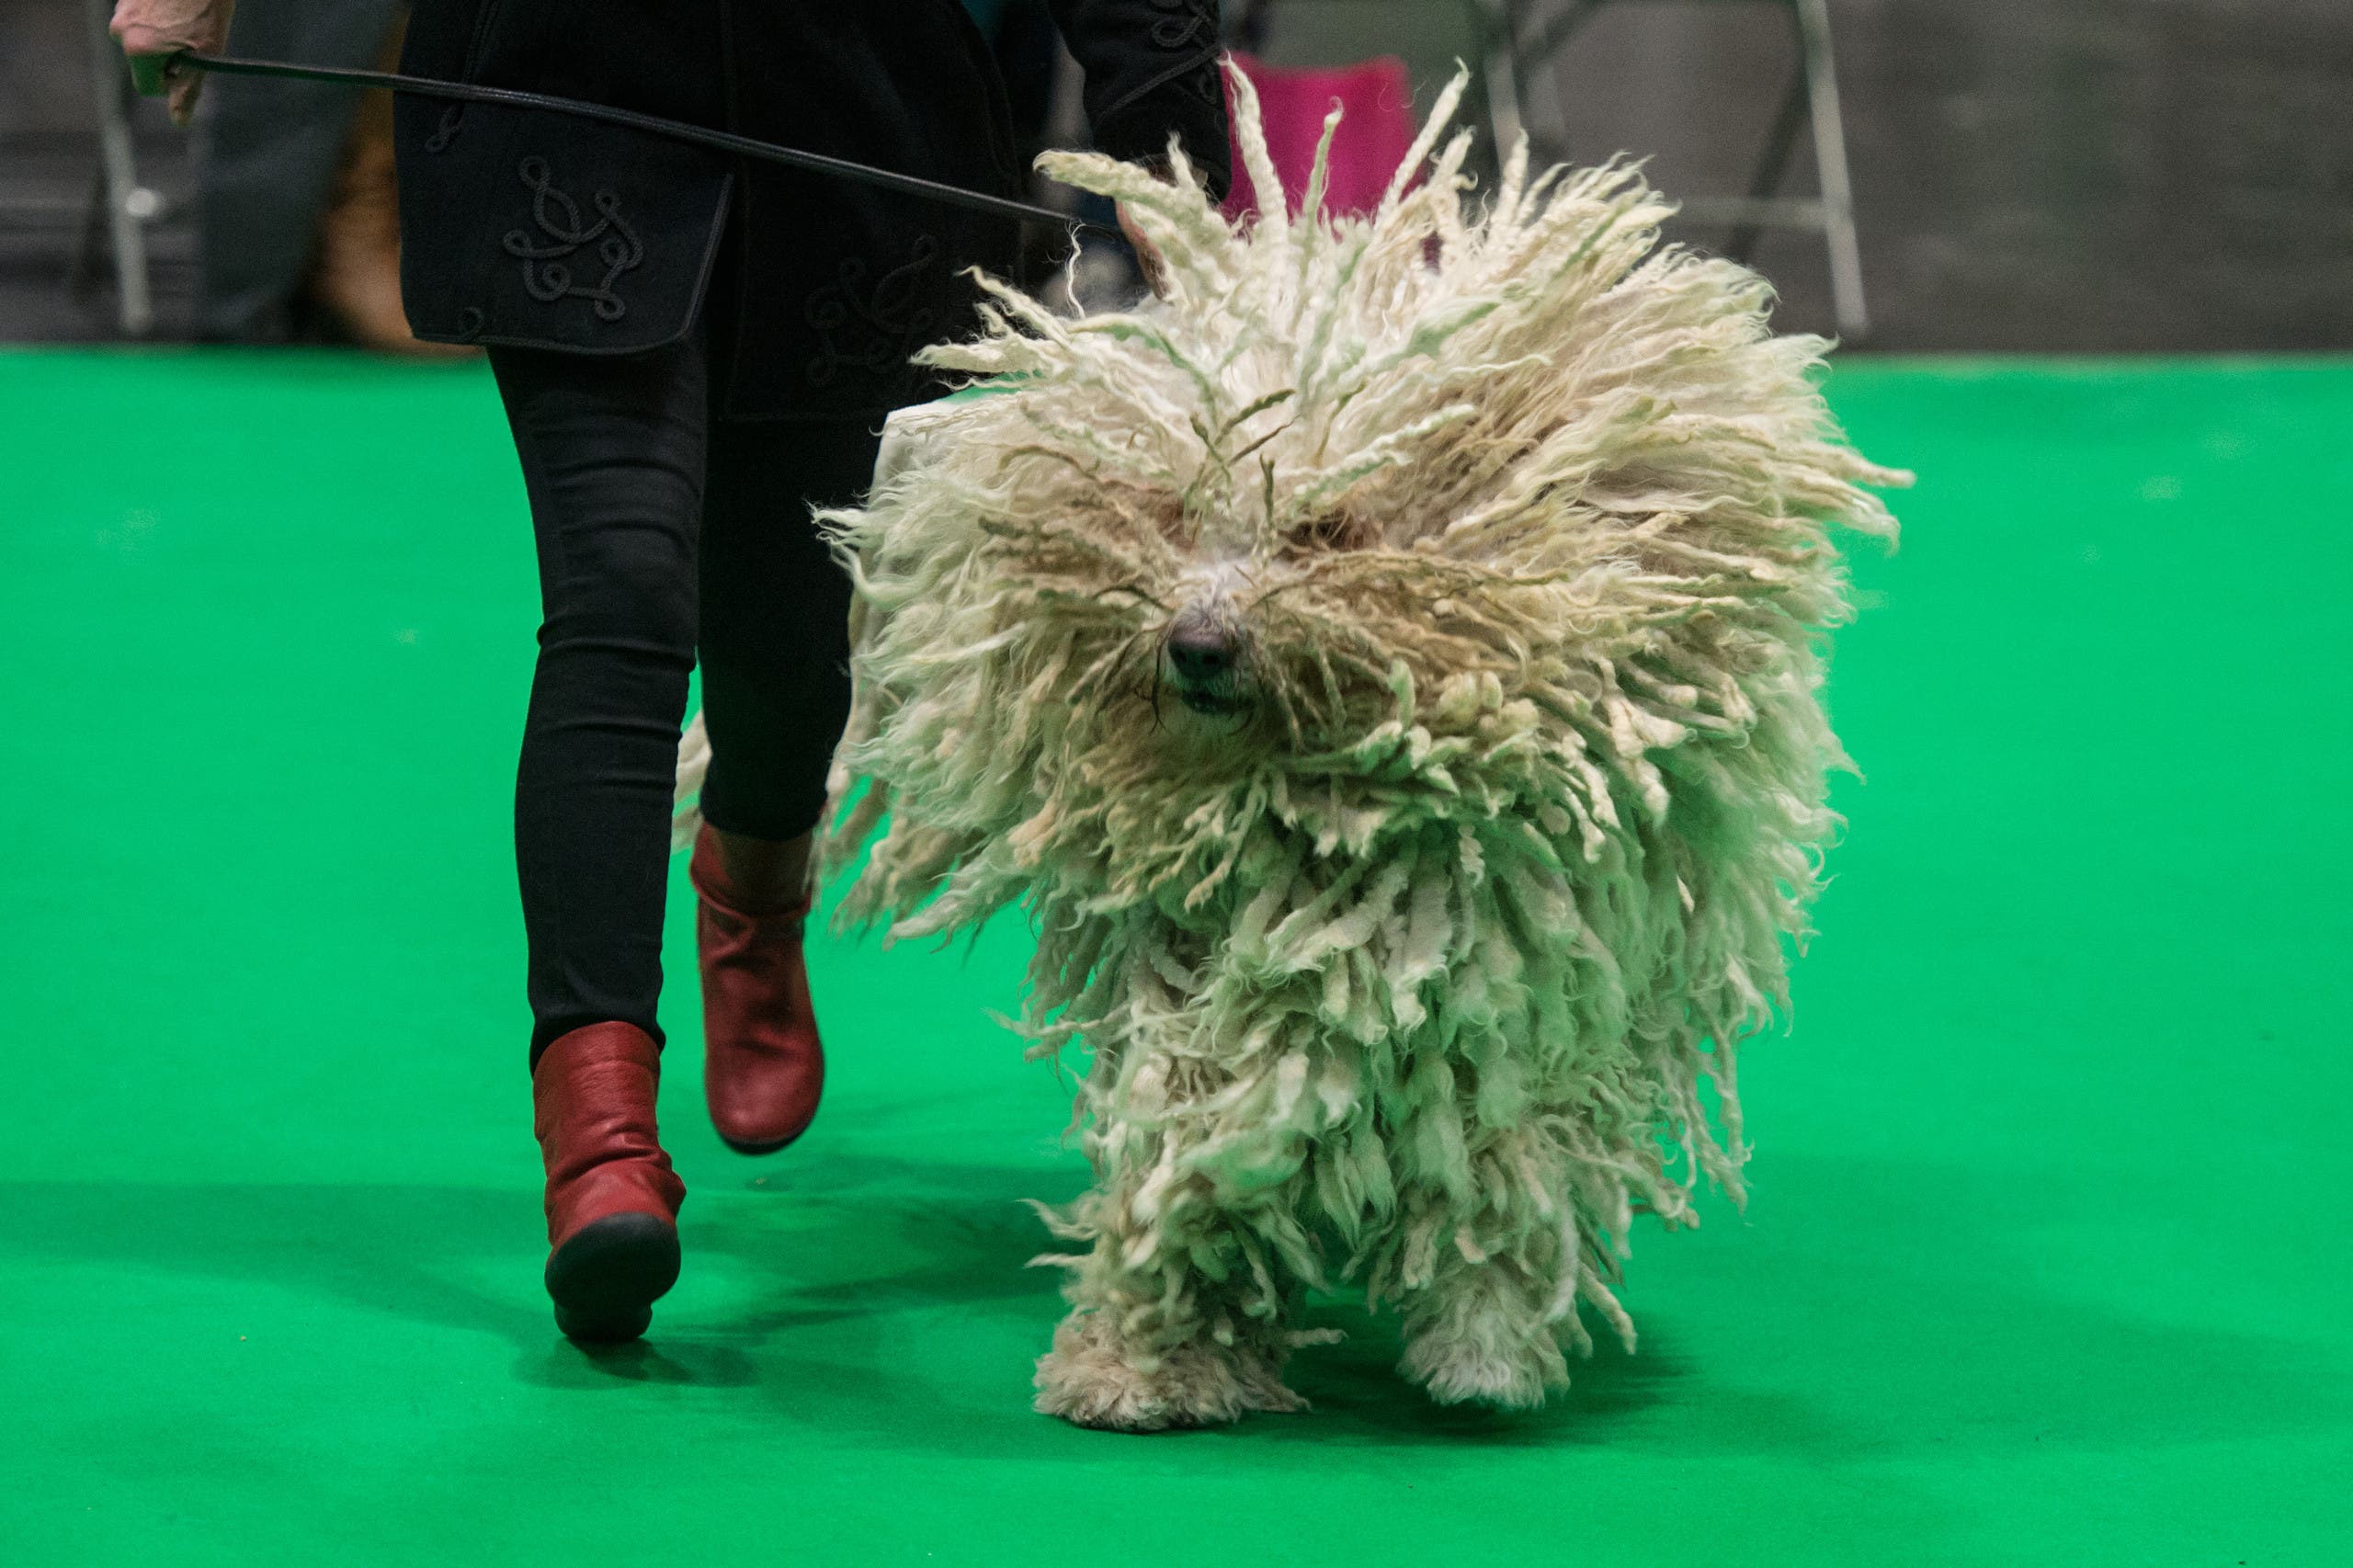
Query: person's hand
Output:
(1148,257)
(152,31)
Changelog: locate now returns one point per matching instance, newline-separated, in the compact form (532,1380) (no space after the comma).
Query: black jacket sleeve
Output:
(1152,68)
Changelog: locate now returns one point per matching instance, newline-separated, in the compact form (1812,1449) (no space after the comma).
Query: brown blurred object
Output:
(355,281)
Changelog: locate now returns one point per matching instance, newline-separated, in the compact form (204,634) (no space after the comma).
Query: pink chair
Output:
(1373,138)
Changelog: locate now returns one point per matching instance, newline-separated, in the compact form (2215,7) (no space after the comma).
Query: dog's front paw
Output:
(1092,1379)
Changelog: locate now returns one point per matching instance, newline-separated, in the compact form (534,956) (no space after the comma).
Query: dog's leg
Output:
(1480,1330)
(1174,1323)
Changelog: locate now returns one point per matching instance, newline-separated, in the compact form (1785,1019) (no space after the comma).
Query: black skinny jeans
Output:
(663,533)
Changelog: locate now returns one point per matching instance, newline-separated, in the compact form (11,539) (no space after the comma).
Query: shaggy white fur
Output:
(1403,946)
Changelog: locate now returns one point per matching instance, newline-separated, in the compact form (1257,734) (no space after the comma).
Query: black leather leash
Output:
(677,131)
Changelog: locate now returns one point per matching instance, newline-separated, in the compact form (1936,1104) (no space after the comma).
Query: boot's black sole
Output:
(758,1148)
(768,1148)
(606,1278)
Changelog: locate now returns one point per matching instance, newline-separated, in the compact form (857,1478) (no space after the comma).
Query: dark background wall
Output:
(2047,175)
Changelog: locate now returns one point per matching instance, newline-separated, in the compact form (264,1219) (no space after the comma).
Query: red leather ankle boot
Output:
(763,1065)
(612,1197)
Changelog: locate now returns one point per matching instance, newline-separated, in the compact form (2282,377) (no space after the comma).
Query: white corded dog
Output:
(1388,672)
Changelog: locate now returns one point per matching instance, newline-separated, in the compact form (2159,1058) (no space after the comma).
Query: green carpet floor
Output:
(2048,1260)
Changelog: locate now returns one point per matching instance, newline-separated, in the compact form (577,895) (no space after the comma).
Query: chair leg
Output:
(1772,163)
(1830,154)
(90,240)
(1495,21)
(1538,60)
(127,202)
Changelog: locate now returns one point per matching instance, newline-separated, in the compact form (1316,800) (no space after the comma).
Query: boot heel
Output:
(606,1278)
(612,1198)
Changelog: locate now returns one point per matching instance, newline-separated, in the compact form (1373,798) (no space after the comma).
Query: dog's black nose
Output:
(1200,656)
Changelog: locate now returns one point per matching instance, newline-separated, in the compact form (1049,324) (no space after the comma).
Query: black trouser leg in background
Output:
(776,620)
(658,529)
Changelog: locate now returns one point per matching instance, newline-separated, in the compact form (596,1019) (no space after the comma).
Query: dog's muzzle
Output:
(1205,665)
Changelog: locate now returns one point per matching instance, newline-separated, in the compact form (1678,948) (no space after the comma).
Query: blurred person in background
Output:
(298,218)
(693,352)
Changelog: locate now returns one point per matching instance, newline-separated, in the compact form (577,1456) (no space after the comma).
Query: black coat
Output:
(529,228)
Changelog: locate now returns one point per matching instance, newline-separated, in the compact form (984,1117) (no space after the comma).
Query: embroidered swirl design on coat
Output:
(1207,83)
(453,119)
(1183,21)
(545,273)
(889,321)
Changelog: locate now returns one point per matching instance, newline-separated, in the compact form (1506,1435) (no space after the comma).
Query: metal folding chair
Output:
(1516,39)
(114,216)
(1810,98)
